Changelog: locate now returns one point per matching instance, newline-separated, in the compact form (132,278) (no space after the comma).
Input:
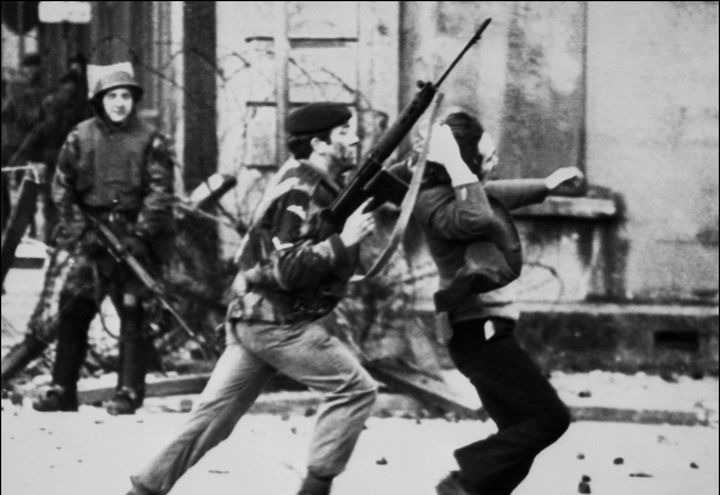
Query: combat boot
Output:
(125,401)
(56,398)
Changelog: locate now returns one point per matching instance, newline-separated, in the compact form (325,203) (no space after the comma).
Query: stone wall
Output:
(652,136)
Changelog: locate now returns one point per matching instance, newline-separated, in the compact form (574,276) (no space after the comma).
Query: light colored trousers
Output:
(304,352)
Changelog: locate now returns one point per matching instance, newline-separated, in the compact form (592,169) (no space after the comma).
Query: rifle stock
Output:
(359,188)
(371,180)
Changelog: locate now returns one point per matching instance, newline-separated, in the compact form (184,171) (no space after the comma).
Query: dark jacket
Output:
(469,231)
(291,268)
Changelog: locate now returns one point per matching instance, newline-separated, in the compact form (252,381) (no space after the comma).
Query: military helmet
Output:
(102,79)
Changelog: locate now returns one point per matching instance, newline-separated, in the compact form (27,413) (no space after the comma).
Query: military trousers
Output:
(255,352)
(523,404)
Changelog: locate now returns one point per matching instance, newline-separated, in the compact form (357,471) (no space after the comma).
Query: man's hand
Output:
(358,226)
(444,149)
(563,175)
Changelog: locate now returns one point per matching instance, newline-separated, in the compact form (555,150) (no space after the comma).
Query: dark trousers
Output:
(76,314)
(526,409)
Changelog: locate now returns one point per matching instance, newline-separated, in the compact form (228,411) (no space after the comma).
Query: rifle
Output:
(371,180)
(116,248)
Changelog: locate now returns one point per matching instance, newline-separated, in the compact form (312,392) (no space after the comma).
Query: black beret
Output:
(314,118)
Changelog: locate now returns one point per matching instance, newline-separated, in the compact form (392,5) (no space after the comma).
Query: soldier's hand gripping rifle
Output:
(116,248)
(371,180)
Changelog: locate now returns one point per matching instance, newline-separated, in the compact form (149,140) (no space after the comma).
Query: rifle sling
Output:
(408,203)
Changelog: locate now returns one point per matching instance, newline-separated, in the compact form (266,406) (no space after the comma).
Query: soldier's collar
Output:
(319,175)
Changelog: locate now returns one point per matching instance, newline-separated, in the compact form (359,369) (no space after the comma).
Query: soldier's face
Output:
(343,147)
(486,148)
(118,104)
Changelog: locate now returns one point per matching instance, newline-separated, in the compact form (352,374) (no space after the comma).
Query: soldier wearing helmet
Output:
(118,169)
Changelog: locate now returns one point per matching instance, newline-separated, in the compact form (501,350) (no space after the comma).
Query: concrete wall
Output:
(628,93)
(652,136)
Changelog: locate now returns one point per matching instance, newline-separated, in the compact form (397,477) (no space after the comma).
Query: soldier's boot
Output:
(134,353)
(54,398)
(76,313)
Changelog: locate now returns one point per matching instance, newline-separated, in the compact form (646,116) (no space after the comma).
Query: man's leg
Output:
(528,413)
(234,385)
(76,314)
(311,356)
(133,357)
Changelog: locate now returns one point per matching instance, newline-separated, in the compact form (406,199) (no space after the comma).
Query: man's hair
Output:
(467,131)
(299,145)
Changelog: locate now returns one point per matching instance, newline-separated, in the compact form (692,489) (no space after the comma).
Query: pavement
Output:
(92,453)
(632,434)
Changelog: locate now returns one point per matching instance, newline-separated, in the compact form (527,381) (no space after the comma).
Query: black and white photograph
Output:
(360,248)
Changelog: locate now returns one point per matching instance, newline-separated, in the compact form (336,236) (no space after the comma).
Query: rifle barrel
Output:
(470,43)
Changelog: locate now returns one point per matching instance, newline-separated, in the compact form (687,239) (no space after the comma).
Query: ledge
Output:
(571,207)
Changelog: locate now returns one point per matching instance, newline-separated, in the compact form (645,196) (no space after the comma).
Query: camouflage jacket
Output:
(125,173)
(292,269)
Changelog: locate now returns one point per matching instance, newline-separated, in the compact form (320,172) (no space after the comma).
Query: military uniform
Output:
(122,174)
(281,285)
(292,274)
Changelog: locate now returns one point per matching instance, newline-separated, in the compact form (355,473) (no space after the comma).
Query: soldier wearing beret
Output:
(292,273)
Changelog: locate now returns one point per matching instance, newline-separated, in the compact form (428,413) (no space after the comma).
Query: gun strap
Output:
(408,203)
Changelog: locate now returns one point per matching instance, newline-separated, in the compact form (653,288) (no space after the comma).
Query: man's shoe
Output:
(55,398)
(124,401)
(452,485)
